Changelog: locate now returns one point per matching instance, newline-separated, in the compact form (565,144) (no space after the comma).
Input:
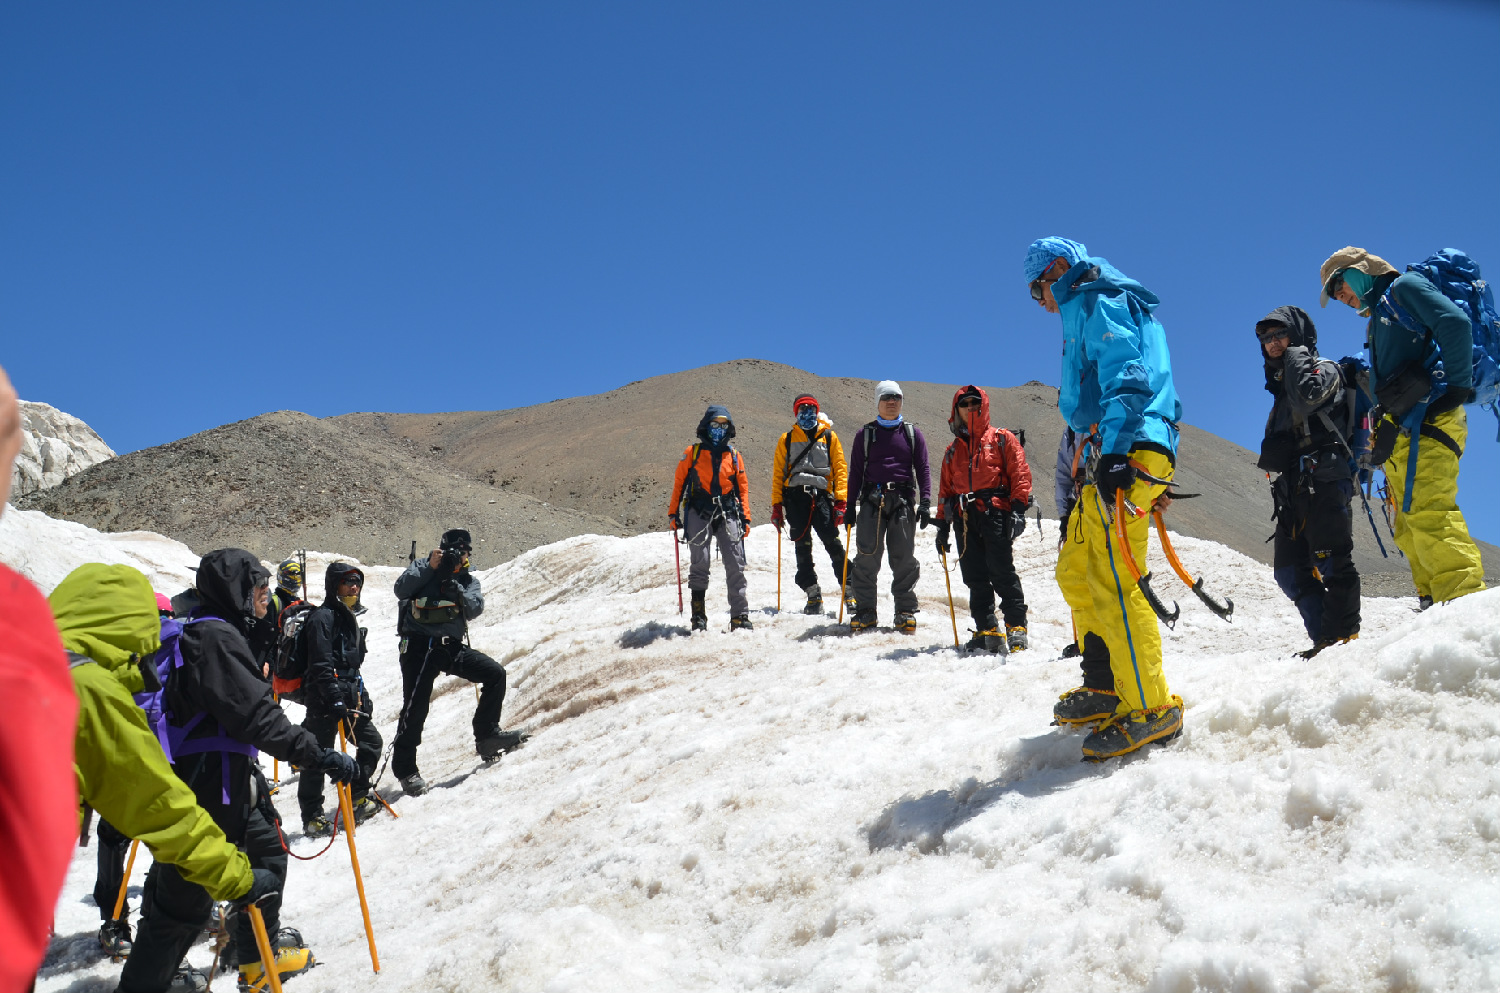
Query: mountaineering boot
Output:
(1072,651)
(494,743)
(742,621)
(289,962)
(700,612)
(187,980)
(989,640)
(1015,638)
(413,785)
(364,809)
(1423,602)
(318,827)
(114,938)
(1084,706)
(814,601)
(905,622)
(1327,643)
(1124,733)
(862,621)
(851,605)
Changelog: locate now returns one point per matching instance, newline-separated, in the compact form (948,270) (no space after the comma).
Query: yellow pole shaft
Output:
(359,883)
(125,879)
(952,614)
(346,804)
(778,570)
(844,583)
(263,943)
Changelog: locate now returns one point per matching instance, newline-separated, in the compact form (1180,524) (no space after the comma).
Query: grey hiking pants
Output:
(895,531)
(728,534)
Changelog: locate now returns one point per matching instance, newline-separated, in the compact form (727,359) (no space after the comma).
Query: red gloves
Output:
(776,516)
(839,506)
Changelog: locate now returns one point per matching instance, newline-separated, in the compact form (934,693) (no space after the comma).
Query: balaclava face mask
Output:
(716,433)
(807,418)
(1361,283)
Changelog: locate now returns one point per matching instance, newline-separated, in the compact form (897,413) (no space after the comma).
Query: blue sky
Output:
(214,210)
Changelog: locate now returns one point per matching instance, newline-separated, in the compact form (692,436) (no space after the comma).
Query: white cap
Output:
(886,388)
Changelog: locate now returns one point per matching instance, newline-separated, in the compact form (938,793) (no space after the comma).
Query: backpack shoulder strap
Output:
(911,444)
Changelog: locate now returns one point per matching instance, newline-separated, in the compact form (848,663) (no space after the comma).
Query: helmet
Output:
(289,575)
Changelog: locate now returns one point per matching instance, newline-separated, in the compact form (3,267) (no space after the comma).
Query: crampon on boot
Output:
(862,621)
(1124,733)
(700,612)
(1084,705)
(1327,643)
(495,742)
(814,601)
(906,622)
(1015,638)
(114,938)
(742,622)
(317,826)
(289,962)
(989,640)
(364,808)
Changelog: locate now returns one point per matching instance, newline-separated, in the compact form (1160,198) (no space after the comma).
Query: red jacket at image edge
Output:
(38,789)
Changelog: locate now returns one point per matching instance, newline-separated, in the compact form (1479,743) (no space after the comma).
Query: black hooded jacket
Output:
(1307,389)
(335,646)
(220,678)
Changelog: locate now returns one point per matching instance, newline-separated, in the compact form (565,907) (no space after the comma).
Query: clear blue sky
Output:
(214,210)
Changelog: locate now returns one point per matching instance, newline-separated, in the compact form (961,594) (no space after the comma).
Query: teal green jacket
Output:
(1393,345)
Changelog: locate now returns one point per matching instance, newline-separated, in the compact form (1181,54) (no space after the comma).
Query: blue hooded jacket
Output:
(1116,370)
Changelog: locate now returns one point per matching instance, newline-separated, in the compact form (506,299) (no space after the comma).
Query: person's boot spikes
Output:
(742,621)
(1124,733)
(1015,638)
(814,600)
(905,621)
(1084,705)
(700,612)
(114,938)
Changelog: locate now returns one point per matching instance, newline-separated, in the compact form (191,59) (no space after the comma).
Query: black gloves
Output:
(1114,474)
(451,589)
(942,537)
(849,514)
(1382,442)
(338,766)
(924,513)
(1017,524)
(264,884)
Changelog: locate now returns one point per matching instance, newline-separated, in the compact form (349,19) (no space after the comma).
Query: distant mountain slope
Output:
(286,480)
(614,453)
(54,446)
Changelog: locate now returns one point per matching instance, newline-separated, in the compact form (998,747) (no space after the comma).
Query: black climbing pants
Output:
(985,561)
(422,659)
(1314,554)
(810,512)
(367,742)
(113,847)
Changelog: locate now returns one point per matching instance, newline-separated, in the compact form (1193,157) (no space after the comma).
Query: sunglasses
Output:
(890,398)
(968,402)
(354,581)
(807,408)
(1039,284)
(1271,333)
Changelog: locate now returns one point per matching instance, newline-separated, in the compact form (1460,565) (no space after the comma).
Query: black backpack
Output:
(290,665)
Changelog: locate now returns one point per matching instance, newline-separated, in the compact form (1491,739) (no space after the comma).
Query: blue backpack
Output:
(174,736)
(1458,278)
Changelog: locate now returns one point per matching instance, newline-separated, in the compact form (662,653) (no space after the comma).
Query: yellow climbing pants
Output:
(1445,563)
(1073,574)
(1118,611)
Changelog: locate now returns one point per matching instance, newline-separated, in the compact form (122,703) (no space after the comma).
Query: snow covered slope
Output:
(791,808)
(54,445)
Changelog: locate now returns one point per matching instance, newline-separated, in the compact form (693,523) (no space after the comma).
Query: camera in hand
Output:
(452,559)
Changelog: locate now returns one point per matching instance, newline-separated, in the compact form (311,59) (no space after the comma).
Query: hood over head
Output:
(108,612)
(1351,257)
(334,575)
(226,583)
(1044,251)
(1299,327)
(715,410)
(964,423)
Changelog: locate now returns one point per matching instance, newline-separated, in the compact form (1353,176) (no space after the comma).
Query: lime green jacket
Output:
(108,613)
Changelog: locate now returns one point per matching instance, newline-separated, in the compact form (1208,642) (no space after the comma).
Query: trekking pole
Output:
(263,944)
(135,845)
(844,583)
(677,555)
(346,806)
(778,570)
(1370,514)
(948,582)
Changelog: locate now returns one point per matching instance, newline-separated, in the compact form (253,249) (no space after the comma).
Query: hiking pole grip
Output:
(263,945)
(347,807)
(135,846)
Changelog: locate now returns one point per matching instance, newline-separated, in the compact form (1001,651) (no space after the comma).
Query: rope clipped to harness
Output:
(1142,580)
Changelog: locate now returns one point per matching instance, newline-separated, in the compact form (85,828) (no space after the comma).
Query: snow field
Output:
(795,808)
